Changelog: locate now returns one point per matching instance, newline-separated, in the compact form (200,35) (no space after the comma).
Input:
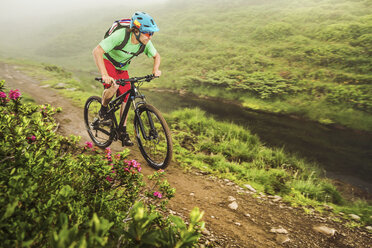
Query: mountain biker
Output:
(113,64)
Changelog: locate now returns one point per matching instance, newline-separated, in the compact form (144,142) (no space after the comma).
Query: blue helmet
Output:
(143,22)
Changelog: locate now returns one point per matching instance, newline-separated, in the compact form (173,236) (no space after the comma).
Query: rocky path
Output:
(234,216)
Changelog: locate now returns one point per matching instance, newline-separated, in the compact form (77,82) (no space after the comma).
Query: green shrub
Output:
(54,193)
(273,31)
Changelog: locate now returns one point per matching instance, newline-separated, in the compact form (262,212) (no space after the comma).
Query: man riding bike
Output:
(113,63)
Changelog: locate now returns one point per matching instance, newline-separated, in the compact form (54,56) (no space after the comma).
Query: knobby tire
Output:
(158,149)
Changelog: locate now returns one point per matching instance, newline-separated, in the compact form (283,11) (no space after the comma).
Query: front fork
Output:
(152,134)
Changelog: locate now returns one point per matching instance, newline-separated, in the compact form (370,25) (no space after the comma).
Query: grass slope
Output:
(228,151)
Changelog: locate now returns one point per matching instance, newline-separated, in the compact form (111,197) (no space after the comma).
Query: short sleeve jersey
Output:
(116,39)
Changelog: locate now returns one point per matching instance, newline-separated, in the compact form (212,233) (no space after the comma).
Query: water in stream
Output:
(343,154)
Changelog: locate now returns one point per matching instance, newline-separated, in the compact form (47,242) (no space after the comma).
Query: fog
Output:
(27,10)
(25,13)
(22,21)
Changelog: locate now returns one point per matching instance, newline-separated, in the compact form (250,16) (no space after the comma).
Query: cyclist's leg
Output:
(109,92)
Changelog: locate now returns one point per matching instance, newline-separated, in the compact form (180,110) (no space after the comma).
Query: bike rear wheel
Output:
(153,136)
(100,131)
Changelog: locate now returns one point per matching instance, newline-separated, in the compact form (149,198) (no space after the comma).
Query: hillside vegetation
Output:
(309,58)
(230,151)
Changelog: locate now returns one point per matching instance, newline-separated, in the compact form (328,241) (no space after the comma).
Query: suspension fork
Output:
(152,126)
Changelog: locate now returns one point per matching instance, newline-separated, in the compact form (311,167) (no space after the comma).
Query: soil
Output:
(250,225)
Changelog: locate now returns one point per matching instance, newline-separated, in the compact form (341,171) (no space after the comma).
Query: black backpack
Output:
(120,24)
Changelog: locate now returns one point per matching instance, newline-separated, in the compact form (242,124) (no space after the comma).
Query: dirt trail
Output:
(250,225)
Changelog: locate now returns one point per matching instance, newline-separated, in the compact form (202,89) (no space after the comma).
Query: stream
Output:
(344,154)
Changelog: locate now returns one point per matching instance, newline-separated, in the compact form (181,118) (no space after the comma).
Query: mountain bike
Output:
(151,130)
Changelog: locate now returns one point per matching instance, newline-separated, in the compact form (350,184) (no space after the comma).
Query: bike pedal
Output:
(95,123)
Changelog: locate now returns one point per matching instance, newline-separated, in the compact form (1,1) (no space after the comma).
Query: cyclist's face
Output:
(145,38)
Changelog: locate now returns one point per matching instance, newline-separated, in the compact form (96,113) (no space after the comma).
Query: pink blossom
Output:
(109,179)
(89,144)
(158,194)
(14,94)
(2,94)
(31,138)
(108,151)
(134,165)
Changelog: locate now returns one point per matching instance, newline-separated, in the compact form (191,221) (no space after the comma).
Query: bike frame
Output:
(116,104)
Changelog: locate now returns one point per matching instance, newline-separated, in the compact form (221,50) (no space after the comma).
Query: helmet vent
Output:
(139,18)
(147,26)
(152,21)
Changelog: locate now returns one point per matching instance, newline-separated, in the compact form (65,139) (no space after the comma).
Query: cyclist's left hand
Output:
(157,73)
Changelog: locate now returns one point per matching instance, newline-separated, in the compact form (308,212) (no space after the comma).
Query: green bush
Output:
(273,31)
(54,193)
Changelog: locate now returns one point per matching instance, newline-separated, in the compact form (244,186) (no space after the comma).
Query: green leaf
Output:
(179,222)
(196,215)
(10,209)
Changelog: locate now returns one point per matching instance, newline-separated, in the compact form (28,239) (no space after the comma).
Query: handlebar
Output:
(146,78)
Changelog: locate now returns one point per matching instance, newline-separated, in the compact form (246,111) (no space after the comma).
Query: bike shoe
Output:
(125,140)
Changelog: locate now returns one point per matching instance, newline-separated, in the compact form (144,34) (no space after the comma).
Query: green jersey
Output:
(120,56)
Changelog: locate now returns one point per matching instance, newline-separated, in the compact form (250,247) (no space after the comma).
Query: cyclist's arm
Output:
(98,58)
(155,69)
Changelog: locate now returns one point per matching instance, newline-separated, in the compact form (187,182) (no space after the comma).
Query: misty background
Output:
(29,28)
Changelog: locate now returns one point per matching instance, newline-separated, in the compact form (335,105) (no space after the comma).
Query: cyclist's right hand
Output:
(107,79)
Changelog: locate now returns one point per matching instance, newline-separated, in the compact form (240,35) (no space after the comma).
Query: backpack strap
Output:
(125,40)
(121,46)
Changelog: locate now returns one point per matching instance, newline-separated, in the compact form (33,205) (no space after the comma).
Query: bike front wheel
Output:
(153,136)
(100,131)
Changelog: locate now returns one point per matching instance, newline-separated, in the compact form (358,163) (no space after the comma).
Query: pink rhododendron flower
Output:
(89,144)
(108,151)
(132,166)
(109,179)
(158,194)
(14,94)
(31,138)
(3,98)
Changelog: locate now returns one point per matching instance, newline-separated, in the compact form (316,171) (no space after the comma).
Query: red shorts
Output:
(117,74)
